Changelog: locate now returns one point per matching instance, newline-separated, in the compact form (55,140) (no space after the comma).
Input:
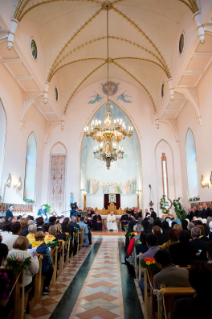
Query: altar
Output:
(112,198)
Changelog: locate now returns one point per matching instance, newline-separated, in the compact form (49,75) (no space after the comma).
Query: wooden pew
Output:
(81,238)
(37,285)
(167,296)
(137,266)
(67,247)
(54,253)
(61,261)
(76,238)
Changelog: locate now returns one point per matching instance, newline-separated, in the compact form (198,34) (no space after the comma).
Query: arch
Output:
(3,130)
(139,167)
(167,122)
(57,177)
(191,161)
(30,168)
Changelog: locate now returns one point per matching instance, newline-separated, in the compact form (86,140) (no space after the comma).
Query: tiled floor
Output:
(101,295)
(48,303)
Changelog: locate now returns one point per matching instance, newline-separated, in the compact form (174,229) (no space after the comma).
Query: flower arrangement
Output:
(131,234)
(162,202)
(137,243)
(149,263)
(194,199)
(76,229)
(53,243)
(179,210)
(18,264)
(68,235)
(125,226)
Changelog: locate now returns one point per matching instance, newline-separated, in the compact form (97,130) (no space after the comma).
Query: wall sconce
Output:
(138,193)
(211,178)
(204,183)
(9,181)
(84,193)
(18,186)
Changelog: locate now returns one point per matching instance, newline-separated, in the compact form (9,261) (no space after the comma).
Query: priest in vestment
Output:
(97,222)
(111,222)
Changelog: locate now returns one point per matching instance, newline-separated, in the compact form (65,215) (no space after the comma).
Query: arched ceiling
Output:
(73,35)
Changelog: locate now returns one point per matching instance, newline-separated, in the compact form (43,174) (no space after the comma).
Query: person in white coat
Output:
(111,222)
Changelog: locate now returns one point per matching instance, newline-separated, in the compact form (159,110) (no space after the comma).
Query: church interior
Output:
(105,176)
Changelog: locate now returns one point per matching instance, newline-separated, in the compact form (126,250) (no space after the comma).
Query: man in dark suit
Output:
(200,278)
(9,213)
(196,242)
(124,220)
(183,253)
(200,211)
(153,213)
(97,222)
(196,212)
(190,213)
(206,211)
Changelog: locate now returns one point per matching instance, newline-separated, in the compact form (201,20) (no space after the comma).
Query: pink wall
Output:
(15,152)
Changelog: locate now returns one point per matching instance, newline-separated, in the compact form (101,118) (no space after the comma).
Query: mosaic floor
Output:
(95,285)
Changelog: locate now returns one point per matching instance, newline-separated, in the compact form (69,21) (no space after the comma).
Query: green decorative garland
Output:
(18,264)
(53,243)
(194,199)
(48,208)
(162,202)
(28,200)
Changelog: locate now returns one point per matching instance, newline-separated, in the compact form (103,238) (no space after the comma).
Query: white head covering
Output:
(210,226)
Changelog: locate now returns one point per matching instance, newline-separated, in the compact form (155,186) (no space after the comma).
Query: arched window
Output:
(30,173)
(3,124)
(191,159)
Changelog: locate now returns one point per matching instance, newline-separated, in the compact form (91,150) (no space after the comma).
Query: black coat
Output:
(206,213)
(75,225)
(195,308)
(198,244)
(153,215)
(162,238)
(66,228)
(24,232)
(182,254)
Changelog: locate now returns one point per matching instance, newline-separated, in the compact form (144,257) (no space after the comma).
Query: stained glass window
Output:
(30,173)
(56,94)
(34,49)
(162,90)
(191,159)
(181,43)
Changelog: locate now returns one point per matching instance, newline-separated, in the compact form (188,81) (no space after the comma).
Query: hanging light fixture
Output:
(109,133)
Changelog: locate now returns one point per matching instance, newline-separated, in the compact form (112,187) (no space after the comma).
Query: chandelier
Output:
(109,133)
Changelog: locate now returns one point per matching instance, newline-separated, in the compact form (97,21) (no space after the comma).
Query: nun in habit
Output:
(111,222)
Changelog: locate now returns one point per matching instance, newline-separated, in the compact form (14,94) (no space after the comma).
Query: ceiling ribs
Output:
(98,67)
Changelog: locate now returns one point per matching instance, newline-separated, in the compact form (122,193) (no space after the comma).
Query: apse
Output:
(124,175)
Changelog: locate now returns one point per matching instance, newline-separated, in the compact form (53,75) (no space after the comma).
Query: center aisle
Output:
(101,295)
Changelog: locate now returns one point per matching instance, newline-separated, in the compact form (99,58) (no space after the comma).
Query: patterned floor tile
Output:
(36,313)
(103,274)
(100,295)
(98,311)
(102,283)
(47,302)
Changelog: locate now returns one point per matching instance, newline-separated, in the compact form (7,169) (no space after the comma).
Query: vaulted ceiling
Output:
(73,33)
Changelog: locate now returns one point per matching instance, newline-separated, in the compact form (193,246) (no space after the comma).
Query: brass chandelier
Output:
(110,133)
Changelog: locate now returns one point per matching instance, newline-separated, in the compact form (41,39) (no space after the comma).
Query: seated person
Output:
(40,222)
(6,304)
(59,234)
(51,235)
(97,222)
(47,269)
(111,222)
(161,238)
(165,227)
(183,253)
(209,252)
(52,220)
(200,278)
(124,220)
(86,221)
(196,242)
(142,247)
(66,227)
(73,222)
(24,227)
(170,275)
(85,227)
(32,229)
(15,231)
(151,242)
(137,214)
(202,236)
(173,239)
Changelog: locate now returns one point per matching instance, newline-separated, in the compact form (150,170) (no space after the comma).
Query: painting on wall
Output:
(95,187)
(122,97)
(110,88)
(95,98)
(57,183)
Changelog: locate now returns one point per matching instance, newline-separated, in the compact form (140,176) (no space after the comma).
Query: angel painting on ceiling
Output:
(123,96)
(96,97)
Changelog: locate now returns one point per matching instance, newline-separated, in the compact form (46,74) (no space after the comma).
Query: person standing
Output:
(9,213)
(153,213)
(43,213)
(206,211)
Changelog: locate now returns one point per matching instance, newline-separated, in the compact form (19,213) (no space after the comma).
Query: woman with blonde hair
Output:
(178,227)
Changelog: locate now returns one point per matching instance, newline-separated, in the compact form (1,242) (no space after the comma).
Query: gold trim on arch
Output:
(69,41)
(135,130)
(81,84)
(20,13)
(114,38)
(120,66)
